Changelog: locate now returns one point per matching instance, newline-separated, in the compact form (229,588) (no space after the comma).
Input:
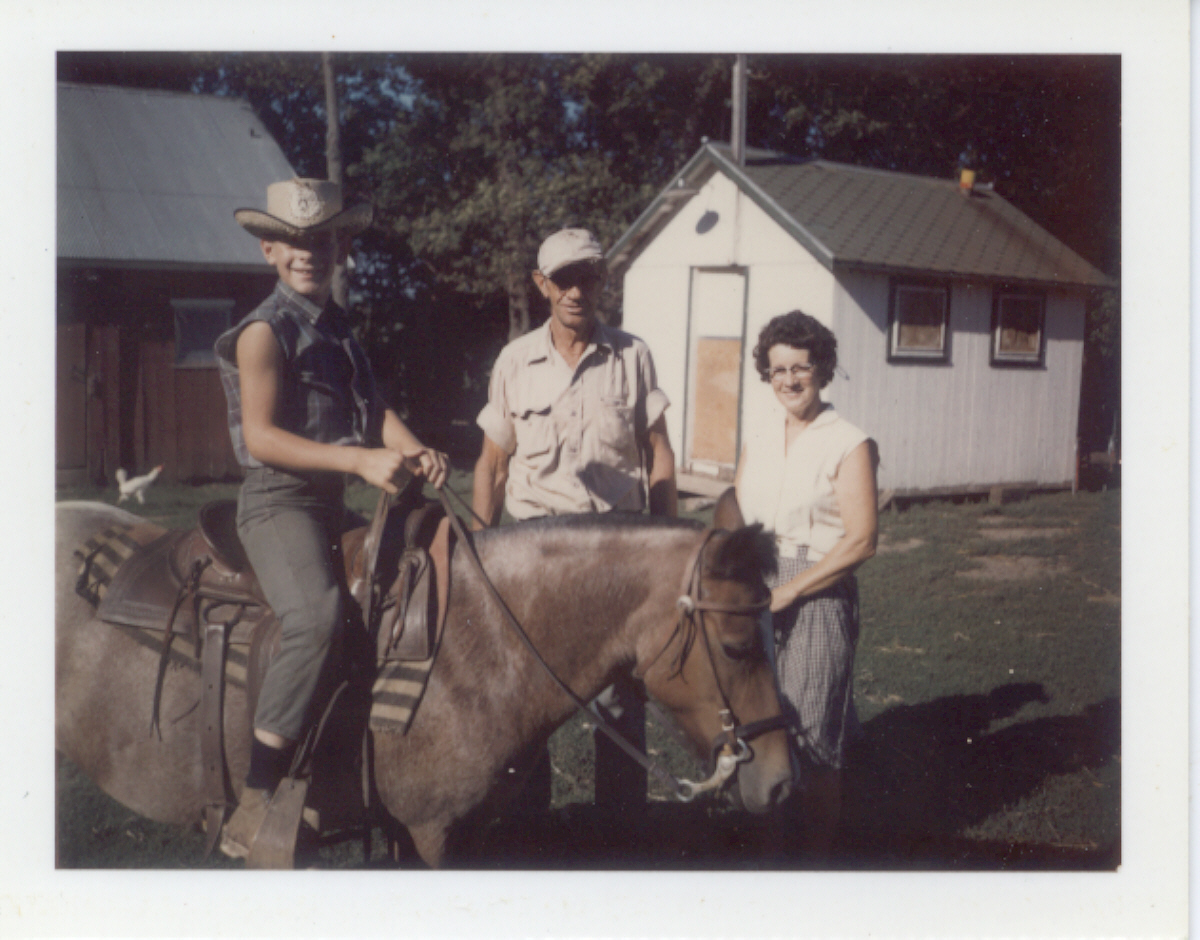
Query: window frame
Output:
(911,356)
(196,358)
(996,357)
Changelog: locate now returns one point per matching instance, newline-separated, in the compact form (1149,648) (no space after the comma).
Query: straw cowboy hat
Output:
(299,207)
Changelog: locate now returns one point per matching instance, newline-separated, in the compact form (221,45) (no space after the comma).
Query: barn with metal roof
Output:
(151,268)
(959,320)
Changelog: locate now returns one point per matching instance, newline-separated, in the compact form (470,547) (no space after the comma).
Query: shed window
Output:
(198,323)
(1018,328)
(919,322)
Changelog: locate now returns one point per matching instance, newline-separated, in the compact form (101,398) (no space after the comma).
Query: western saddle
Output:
(199,585)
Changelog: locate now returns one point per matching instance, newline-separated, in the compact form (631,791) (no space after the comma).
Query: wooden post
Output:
(738,98)
(333,165)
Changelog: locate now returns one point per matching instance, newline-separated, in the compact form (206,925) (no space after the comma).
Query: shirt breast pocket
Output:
(535,432)
(615,430)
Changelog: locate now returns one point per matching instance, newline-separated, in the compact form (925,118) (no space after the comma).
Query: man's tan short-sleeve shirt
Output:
(574,436)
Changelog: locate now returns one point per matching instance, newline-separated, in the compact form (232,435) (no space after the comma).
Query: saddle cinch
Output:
(198,585)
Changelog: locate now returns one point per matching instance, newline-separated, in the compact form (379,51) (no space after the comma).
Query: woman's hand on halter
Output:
(783,597)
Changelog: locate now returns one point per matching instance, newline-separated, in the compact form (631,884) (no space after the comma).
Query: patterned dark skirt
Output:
(815,639)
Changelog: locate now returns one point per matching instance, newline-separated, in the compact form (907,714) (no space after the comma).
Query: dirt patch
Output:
(1014,568)
(897,647)
(1025,532)
(885,545)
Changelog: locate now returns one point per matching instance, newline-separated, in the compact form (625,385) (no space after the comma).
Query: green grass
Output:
(991,706)
(990,709)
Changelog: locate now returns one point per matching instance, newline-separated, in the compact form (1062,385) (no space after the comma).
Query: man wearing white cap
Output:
(303,413)
(574,424)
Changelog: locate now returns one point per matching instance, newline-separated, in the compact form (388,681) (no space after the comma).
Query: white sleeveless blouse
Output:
(791,493)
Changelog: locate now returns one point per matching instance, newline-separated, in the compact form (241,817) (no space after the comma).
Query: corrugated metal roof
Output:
(153,177)
(857,217)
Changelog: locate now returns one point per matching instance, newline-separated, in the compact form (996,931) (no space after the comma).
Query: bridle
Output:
(729,748)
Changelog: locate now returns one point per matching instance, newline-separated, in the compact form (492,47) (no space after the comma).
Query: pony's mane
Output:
(583,522)
(748,553)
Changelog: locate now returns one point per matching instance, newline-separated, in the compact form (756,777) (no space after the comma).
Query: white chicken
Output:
(137,486)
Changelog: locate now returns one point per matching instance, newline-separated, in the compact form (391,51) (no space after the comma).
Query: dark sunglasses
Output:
(578,275)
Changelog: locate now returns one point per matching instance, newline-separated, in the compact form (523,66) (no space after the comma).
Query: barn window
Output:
(198,323)
(919,322)
(1018,328)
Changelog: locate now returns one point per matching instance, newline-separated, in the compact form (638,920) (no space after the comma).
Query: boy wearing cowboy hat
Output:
(303,413)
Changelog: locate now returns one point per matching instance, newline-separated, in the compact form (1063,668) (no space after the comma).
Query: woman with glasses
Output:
(809,476)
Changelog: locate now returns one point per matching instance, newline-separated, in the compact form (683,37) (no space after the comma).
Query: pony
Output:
(596,595)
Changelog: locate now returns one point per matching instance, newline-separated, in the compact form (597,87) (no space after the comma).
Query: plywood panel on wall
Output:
(718,364)
(717,321)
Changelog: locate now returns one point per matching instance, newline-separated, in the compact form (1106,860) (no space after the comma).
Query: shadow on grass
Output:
(925,773)
(919,777)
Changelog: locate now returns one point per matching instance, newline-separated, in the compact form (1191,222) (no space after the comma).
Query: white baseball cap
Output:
(568,246)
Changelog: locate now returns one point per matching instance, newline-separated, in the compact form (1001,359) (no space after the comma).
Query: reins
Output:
(659,772)
(691,611)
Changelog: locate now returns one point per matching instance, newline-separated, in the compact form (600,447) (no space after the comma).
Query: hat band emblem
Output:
(306,204)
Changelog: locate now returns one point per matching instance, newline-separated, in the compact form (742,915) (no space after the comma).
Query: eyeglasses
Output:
(795,371)
(586,276)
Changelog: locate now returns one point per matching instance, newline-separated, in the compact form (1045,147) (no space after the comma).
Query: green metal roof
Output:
(854,217)
(150,177)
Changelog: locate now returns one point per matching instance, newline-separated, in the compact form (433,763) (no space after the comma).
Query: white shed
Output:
(959,320)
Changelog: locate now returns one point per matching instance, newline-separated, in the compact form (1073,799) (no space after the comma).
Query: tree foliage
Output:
(473,159)
(1045,130)
(494,152)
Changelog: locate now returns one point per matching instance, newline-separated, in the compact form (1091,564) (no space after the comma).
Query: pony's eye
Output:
(738,651)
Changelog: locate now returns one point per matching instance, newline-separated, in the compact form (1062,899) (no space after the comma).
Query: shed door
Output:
(70,452)
(717,323)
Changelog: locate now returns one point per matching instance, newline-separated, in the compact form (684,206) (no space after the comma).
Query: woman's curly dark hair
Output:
(800,331)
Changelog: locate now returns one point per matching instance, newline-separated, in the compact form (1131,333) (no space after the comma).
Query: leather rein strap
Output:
(659,772)
(367,593)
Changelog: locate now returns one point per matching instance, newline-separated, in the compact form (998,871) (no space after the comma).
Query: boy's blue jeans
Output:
(291,527)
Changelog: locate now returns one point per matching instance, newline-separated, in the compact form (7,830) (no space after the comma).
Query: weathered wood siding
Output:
(70,437)
(181,418)
(122,401)
(965,423)
(89,401)
(178,415)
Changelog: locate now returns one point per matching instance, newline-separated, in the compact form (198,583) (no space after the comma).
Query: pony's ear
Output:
(728,514)
(748,551)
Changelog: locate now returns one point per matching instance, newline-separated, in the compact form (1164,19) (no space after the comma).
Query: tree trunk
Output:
(518,302)
(333,166)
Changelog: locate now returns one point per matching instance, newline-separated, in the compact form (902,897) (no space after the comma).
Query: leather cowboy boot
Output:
(268,765)
(237,837)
